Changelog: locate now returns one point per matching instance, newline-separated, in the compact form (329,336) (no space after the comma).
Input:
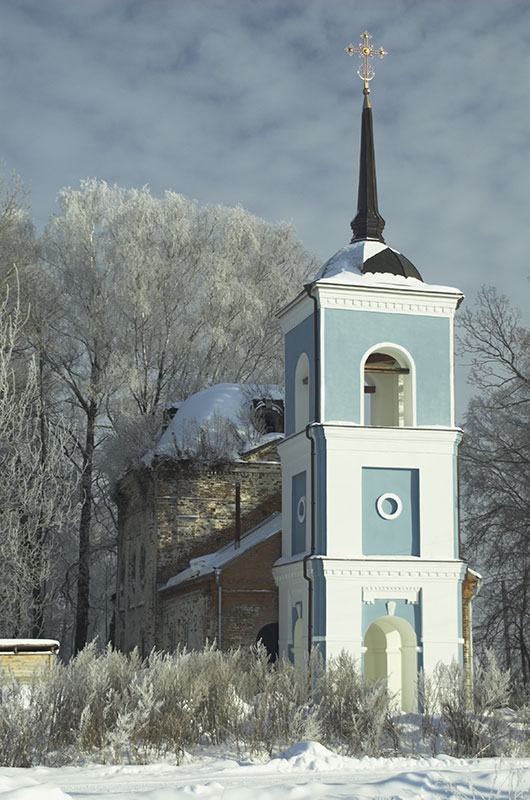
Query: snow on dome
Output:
(350,259)
(221,404)
(369,263)
(368,257)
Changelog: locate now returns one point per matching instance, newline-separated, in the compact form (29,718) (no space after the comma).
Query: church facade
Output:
(370,545)
(365,555)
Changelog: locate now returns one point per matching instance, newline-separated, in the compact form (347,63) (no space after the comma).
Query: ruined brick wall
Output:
(187,619)
(169,514)
(250,596)
(136,590)
(196,508)
(249,600)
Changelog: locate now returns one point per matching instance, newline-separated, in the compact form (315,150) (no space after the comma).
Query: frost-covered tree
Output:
(17,235)
(199,288)
(156,299)
(495,467)
(84,354)
(35,508)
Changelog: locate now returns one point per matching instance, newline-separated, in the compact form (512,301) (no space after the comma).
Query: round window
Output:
(389,506)
(300,511)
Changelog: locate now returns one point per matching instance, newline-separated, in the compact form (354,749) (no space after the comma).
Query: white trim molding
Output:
(395,301)
(409,593)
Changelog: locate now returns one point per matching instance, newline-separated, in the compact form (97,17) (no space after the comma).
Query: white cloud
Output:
(256,102)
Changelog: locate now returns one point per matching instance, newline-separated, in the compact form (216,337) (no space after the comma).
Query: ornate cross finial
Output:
(366,51)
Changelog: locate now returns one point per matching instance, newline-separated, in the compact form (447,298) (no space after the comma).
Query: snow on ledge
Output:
(28,645)
(385,280)
(203,565)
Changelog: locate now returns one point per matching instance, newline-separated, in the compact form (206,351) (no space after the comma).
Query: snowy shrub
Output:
(481,730)
(164,718)
(355,713)
(280,695)
(88,695)
(429,703)
(219,705)
(120,708)
(25,722)
(188,701)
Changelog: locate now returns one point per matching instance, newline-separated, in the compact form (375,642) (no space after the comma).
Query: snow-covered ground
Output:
(306,770)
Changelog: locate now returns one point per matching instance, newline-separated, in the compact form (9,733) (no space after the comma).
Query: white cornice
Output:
(379,575)
(295,312)
(292,571)
(346,435)
(387,300)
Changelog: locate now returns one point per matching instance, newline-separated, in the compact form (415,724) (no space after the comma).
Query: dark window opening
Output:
(269,414)
(269,638)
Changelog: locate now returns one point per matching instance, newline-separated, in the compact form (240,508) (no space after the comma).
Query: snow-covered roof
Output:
(205,565)
(28,645)
(223,402)
(363,264)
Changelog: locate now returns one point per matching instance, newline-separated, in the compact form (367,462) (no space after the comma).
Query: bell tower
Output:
(370,549)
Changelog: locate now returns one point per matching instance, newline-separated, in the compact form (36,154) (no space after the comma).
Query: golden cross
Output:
(366,51)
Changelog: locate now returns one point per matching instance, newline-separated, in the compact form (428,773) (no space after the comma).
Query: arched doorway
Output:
(268,636)
(391,655)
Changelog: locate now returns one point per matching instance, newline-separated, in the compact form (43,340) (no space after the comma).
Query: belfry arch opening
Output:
(388,387)
(391,656)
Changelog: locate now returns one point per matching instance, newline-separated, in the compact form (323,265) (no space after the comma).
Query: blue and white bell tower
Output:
(370,554)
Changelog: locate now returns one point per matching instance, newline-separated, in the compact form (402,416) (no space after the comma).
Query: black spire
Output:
(368,222)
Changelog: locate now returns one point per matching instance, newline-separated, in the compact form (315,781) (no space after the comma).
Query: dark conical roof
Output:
(368,224)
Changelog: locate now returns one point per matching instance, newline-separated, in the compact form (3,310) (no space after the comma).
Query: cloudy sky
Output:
(256,102)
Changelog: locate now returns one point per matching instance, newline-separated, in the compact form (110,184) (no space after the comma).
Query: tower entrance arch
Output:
(391,655)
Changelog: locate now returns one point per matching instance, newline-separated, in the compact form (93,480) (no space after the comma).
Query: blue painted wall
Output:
(295,615)
(349,334)
(399,536)
(321,542)
(298,527)
(299,340)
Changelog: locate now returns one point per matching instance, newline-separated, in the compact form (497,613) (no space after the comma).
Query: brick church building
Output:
(197,541)
(366,558)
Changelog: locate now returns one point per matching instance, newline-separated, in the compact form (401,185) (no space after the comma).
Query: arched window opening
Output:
(122,576)
(268,636)
(301,393)
(268,414)
(142,565)
(132,574)
(388,389)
